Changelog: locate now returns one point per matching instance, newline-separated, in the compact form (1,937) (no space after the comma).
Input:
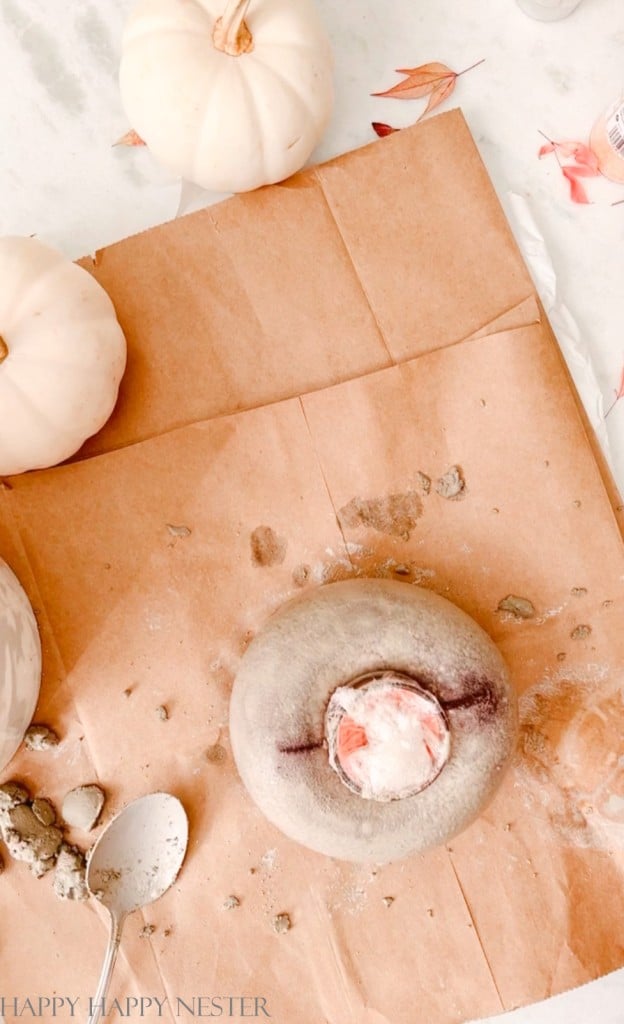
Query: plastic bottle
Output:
(607,141)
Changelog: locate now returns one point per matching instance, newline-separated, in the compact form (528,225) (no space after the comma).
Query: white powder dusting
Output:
(571,766)
(269,859)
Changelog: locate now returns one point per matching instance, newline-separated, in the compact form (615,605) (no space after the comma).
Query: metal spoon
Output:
(135,860)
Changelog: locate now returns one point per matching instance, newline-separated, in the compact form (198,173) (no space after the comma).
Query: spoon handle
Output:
(114,938)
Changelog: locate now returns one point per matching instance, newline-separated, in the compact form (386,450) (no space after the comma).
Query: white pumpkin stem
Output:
(231,34)
(4,349)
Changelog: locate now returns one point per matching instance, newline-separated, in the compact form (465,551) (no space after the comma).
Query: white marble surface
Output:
(61,179)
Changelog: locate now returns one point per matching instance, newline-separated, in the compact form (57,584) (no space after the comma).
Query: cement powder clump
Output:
(28,840)
(70,874)
(40,737)
(12,794)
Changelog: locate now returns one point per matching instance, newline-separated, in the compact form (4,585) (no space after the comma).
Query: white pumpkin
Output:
(20,664)
(228,96)
(62,356)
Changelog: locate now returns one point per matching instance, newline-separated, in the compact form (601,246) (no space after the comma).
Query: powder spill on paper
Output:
(216,754)
(564,721)
(396,514)
(267,548)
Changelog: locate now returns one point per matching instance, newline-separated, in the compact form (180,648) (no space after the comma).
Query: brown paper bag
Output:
(327,339)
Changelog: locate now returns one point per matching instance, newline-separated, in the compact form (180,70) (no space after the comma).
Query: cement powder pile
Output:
(30,832)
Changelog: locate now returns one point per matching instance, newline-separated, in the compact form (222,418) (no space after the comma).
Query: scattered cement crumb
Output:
(28,840)
(281,923)
(167,932)
(578,591)
(607,603)
(12,794)
(430,911)
(108,875)
(396,514)
(178,531)
(216,754)
(388,901)
(40,737)
(147,930)
(577,503)
(266,547)
(44,811)
(162,712)
(580,632)
(561,656)
(82,806)
(452,485)
(424,481)
(231,903)
(128,691)
(269,859)
(70,874)
(520,607)
(301,575)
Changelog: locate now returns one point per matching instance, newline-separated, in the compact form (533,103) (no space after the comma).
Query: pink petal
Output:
(577,192)
(586,156)
(548,147)
(580,171)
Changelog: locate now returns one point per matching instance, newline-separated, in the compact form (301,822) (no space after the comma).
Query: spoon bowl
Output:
(134,861)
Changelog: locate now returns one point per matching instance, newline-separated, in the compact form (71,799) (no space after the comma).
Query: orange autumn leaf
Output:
(131,138)
(424,80)
(418,81)
(438,96)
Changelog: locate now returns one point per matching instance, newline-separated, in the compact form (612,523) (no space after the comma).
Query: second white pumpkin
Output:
(228,96)
(62,356)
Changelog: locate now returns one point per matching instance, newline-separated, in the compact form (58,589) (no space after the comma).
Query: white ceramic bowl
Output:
(20,664)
